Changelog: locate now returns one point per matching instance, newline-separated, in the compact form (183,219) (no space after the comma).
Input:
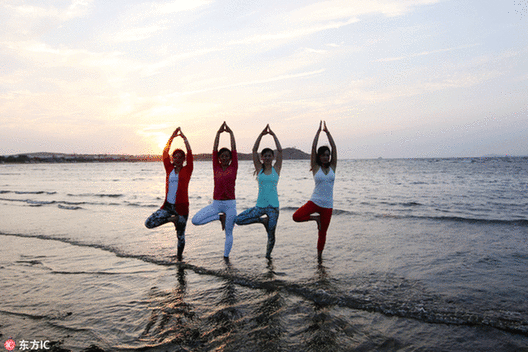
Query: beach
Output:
(421,255)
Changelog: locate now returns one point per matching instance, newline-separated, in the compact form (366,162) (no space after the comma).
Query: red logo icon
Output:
(10,344)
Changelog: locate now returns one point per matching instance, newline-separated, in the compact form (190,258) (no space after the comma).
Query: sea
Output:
(421,255)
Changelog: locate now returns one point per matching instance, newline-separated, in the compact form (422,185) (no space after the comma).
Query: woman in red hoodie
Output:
(175,208)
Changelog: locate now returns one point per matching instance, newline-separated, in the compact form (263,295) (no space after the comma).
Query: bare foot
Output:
(179,256)
(265,221)
(223,220)
(174,219)
(317,219)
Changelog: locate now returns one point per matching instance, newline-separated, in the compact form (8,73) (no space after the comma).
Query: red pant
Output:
(303,214)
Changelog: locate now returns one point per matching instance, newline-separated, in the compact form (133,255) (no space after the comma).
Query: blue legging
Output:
(253,215)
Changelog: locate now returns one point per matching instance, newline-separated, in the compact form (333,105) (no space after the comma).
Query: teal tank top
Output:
(267,195)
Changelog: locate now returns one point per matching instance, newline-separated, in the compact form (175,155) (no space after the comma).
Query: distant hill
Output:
(45,157)
(294,154)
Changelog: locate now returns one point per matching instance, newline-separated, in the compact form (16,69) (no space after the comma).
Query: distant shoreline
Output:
(29,158)
(288,154)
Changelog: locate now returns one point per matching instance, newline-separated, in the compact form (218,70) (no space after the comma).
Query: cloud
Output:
(77,8)
(257,82)
(332,10)
(30,21)
(372,91)
(145,66)
(136,24)
(290,34)
(424,53)
(139,33)
(177,6)
(288,26)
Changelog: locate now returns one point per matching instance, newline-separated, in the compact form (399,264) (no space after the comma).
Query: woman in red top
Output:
(223,208)
(175,208)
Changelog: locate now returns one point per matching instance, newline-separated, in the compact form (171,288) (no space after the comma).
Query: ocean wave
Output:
(28,192)
(509,222)
(390,296)
(335,211)
(58,272)
(24,315)
(437,313)
(100,195)
(139,205)
(69,207)
(289,208)
(517,222)
(404,204)
(33,202)
(338,212)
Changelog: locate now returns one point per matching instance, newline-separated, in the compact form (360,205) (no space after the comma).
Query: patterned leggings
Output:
(253,215)
(303,214)
(161,216)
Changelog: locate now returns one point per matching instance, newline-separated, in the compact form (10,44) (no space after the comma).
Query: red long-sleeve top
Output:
(224,180)
(182,194)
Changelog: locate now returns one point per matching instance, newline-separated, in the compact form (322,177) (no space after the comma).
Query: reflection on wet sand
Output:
(171,320)
(326,332)
(267,325)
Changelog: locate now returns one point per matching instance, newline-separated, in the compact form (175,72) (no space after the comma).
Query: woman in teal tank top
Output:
(266,211)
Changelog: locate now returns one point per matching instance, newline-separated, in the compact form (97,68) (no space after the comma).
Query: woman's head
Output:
(224,155)
(267,155)
(178,157)
(323,157)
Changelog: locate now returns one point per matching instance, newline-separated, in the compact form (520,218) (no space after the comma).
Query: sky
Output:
(391,78)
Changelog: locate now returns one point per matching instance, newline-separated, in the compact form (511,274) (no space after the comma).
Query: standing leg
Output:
(273,217)
(229,208)
(326,216)
(180,233)
(305,213)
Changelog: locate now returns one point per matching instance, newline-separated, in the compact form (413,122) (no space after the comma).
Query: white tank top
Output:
(173,187)
(323,193)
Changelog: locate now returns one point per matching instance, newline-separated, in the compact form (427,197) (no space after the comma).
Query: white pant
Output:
(211,213)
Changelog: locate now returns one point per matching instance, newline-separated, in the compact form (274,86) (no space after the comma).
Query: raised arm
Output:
(333,162)
(169,142)
(217,138)
(186,142)
(278,158)
(190,157)
(233,143)
(313,156)
(256,159)
(165,156)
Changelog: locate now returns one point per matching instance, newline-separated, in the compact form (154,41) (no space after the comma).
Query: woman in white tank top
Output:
(319,208)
